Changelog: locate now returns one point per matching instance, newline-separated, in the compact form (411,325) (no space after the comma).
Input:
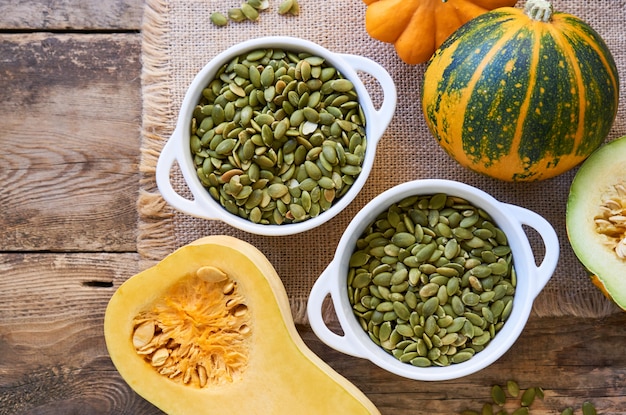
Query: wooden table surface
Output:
(70,105)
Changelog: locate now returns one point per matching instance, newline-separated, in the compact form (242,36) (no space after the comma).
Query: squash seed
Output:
(219,19)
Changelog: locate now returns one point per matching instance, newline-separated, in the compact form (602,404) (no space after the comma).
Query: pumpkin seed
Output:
(236,15)
(513,388)
(528,397)
(219,19)
(497,394)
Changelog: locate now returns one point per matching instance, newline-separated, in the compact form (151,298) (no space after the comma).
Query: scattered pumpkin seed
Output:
(499,398)
(588,408)
(250,11)
(497,394)
(219,19)
(528,397)
(236,15)
(513,388)
(289,6)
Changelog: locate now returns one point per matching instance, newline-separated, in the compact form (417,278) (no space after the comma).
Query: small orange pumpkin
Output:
(418,27)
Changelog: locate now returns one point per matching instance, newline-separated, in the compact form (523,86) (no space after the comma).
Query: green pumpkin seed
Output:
(403,239)
(405,330)
(428,290)
(430,306)
(285,6)
(461,357)
(219,19)
(236,15)
(250,12)
(421,361)
(528,397)
(497,394)
(342,85)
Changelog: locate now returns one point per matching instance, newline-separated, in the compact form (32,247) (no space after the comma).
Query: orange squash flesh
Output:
(282,375)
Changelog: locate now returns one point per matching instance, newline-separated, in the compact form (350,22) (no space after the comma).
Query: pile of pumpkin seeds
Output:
(432,280)
(250,11)
(511,392)
(278,136)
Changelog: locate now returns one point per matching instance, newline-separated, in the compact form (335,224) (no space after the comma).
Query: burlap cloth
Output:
(178,39)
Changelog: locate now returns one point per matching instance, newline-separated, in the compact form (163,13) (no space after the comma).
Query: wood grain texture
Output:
(572,359)
(54,359)
(69,139)
(71,15)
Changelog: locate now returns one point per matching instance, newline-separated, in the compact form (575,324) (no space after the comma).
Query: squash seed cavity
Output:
(611,221)
(197,334)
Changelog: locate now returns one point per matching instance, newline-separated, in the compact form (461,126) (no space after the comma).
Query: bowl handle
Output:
(385,113)
(168,156)
(550,242)
(319,292)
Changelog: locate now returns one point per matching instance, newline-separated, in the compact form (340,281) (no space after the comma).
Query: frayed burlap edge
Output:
(155,235)
(591,304)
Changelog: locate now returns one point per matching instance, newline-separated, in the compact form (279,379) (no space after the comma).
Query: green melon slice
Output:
(596,218)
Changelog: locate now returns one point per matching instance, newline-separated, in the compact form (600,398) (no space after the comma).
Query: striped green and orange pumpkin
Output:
(521,95)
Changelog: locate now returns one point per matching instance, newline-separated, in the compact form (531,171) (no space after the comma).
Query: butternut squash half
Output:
(208,330)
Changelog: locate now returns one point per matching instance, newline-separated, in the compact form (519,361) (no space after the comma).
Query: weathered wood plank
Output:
(69,141)
(71,15)
(54,359)
(573,359)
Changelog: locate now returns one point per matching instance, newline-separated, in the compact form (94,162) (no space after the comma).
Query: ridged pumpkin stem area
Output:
(521,99)
(539,10)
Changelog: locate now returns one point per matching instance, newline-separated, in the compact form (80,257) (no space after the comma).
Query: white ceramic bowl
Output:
(530,280)
(177,149)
